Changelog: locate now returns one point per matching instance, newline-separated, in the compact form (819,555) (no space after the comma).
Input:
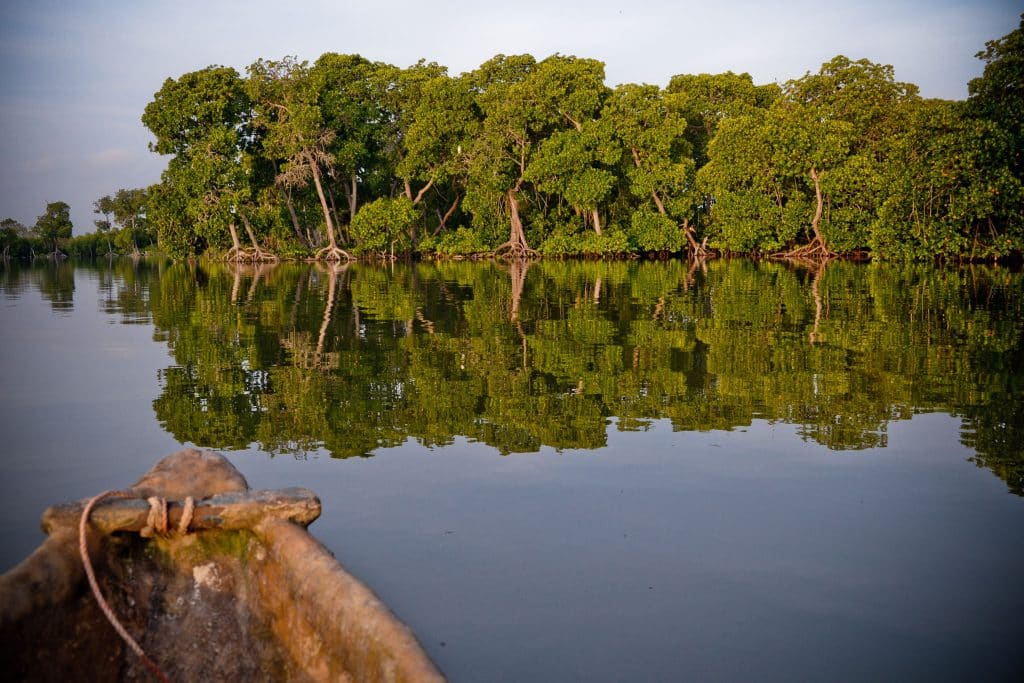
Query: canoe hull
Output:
(265,602)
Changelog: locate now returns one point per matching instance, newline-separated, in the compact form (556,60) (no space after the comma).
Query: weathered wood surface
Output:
(226,511)
(252,596)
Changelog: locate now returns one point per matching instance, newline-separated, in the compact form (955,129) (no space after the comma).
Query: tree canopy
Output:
(523,157)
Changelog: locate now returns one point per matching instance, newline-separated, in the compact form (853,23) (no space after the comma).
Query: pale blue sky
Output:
(75,77)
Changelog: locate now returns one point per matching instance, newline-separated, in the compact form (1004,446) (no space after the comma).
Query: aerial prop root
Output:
(236,255)
(250,255)
(258,255)
(332,253)
(515,250)
(815,250)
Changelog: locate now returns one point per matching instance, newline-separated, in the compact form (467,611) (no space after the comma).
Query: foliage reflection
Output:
(357,358)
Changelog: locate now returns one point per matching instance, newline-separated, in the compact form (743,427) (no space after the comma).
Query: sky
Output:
(76,76)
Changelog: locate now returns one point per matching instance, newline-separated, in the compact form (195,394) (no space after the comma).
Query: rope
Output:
(156,521)
(186,515)
(107,611)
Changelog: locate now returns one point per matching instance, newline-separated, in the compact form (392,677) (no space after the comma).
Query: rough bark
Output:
(353,198)
(258,255)
(697,249)
(295,218)
(818,204)
(817,249)
(448,214)
(332,252)
(516,246)
(423,191)
(658,203)
(334,214)
(235,253)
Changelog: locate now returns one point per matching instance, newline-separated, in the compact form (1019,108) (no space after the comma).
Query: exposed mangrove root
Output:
(258,255)
(816,250)
(694,248)
(516,248)
(236,255)
(332,252)
(250,255)
(699,251)
(515,251)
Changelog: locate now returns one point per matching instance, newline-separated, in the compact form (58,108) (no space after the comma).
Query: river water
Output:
(574,471)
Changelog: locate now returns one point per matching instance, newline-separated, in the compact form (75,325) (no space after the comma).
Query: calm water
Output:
(575,471)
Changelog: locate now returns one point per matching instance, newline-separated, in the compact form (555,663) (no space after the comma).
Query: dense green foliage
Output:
(123,230)
(348,157)
(54,226)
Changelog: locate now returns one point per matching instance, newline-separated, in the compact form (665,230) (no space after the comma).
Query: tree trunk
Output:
(331,252)
(654,193)
(334,212)
(658,203)
(353,198)
(697,249)
(259,255)
(332,243)
(818,205)
(516,233)
(597,221)
(423,191)
(516,246)
(817,248)
(448,214)
(295,219)
(235,253)
(413,235)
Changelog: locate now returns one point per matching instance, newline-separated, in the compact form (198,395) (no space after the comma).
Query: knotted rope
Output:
(156,522)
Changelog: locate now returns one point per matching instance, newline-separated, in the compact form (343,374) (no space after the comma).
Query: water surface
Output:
(574,471)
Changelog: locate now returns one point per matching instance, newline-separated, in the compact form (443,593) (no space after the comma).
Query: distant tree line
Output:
(43,240)
(122,230)
(348,158)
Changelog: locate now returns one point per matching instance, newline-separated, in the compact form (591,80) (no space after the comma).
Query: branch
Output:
(419,195)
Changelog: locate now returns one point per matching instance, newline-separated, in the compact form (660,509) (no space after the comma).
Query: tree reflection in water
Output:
(355,358)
